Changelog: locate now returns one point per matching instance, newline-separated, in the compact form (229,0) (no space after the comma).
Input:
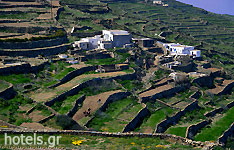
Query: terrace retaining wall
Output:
(80,71)
(73,74)
(131,126)
(77,88)
(23,68)
(192,130)
(229,132)
(33,44)
(205,81)
(164,93)
(28,29)
(112,98)
(46,51)
(219,110)
(8,93)
(46,119)
(80,100)
(165,124)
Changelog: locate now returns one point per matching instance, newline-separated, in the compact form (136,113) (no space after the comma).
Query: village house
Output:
(157,2)
(178,49)
(143,42)
(109,39)
(119,38)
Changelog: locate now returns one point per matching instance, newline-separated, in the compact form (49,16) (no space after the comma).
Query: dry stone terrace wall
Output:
(8,93)
(164,93)
(58,13)
(33,44)
(168,137)
(205,81)
(73,74)
(47,51)
(131,126)
(110,99)
(82,70)
(219,110)
(165,124)
(28,29)
(46,118)
(72,112)
(192,130)
(195,95)
(75,90)
(228,133)
(24,68)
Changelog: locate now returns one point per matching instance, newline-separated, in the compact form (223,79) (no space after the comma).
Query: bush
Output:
(67,123)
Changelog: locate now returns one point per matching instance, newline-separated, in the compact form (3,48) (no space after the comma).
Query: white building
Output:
(118,37)
(93,40)
(195,53)
(178,49)
(158,2)
(83,45)
(111,39)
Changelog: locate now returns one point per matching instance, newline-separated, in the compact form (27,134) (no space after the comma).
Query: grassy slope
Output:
(217,128)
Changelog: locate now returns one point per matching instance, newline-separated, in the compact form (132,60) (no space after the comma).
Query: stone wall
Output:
(192,130)
(72,112)
(75,90)
(47,51)
(227,89)
(24,68)
(195,95)
(114,97)
(58,13)
(46,119)
(33,44)
(8,93)
(74,74)
(213,112)
(228,133)
(219,110)
(171,138)
(205,81)
(137,121)
(110,99)
(28,29)
(164,93)
(165,124)
(80,71)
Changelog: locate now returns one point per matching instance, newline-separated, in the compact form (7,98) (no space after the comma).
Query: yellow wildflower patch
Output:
(161,146)
(77,142)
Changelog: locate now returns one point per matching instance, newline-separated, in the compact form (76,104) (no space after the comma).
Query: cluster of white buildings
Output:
(108,39)
(178,49)
(159,2)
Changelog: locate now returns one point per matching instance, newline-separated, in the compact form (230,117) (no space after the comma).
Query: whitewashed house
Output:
(93,40)
(178,49)
(118,37)
(157,2)
(109,39)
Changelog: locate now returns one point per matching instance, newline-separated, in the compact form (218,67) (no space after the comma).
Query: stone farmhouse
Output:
(108,39)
